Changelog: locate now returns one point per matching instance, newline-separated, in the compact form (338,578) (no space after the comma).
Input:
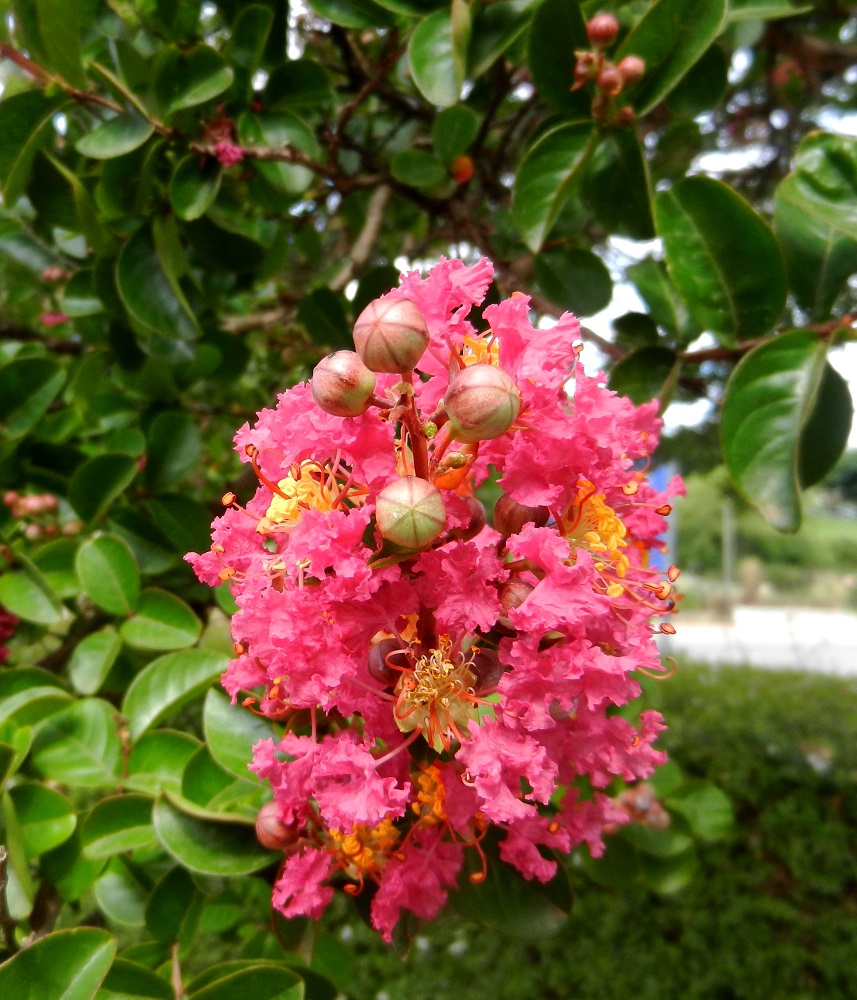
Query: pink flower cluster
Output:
(431,694)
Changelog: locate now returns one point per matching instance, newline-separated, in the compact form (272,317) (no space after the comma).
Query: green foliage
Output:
(197,200)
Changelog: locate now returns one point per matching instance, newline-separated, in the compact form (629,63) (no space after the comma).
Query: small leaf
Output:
(722,256)
(194,186)
(174,449)
(231,732)
(825,434)
(92,659)
(28,386)
(174,907)
(186,79)
(645,374)
(666,306)
(80,746)
(116,137)
(207,847)
(117,824)
(433,66)
(768,399)
(281,129)
(577,280)
(351,13)
(26,124)
(557,29)
(668,875)
(28,595)
(452,132)
(166,684)
(766,10)
(46,818)
(120,895)
(98,482)
(132,981)
(670,38)
(65,965)
(495,27)
(298,82)
(157,761)
(549,170)
(706,808)
(108,573)
(616,186)
(262,982)
(417,168)
(59,28)
(161,621)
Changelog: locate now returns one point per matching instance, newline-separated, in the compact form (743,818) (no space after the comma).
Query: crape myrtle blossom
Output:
(439,676)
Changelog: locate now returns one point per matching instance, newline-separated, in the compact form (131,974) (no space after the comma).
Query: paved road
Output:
(791,638)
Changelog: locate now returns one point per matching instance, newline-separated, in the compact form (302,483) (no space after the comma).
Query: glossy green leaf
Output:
(703,86)
(161,621)
(187,79)
(108,573)
(65,965)
(815,217)
(351,13)
(60,23)
(98,482)
(296,83)
(45,817)
(557,29)
(322,314)
(20,890)
(121,895)
(666,307)
(281,129)
(55,561)
(208,847)
(182,520)
(753,10)
(26,124)
(668,875)
(496,26)
(433,65)
(418,168)
(80,746)
(231,732)
(825,434)
(116,137)
(174,907)
(174,449)
(117,824)
(92,658)
(27,594)
(157,761)
(767,402)
(132,981)
(723,257)
(166,684)
(248,38)
(548,172)
(194,186)
(635,330)
(706,808)
(227,250)
(210,792)
(616,186)
(28,386)
(68,870)
(576,280)
(645,374)
(147,292)
(452,132)
(33,705)
(262,982)
(670,38)
(15,743)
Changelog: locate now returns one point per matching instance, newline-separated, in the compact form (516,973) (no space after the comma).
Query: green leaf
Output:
(157,761)
(121,895)
(174,907)
(576,280)
(108,573)
(194,186)
(281,129)
(231,732)
(666,306)
(187,79)
(174,449)
(209,792)
(825,434)
(26,124)
(660,843)
(46,818)
(248,38)
(208,847)
(704,85)
(766,10)
(28,595)
(768,399)
(452,132)
(433,65)
(705,807)
(226,250)
(668,875)
(183,521)
(351,13)
(548,172)
(262,982)
(616,186)
(323,316)
(298,82)
(558,29)
(132,981)
(161,621)
(723,257)
(98,482)
(28,386)
(80,746)
(166,684)
(495,27)
(147,292)
(92,659)
(815,217)
(117,824)
(65,965)
(671,37)
(116,137)
(59,28)
(645,374)
(68,870)
(33,705)
(418,169)
(20,891)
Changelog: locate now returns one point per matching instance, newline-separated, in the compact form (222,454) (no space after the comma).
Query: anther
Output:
(673,573)
(664,510)
(227,499)
(668,629)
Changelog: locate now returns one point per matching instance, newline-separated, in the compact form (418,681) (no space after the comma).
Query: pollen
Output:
(480,350)
(303,489)
(591,524)
(429,804)
(365,849)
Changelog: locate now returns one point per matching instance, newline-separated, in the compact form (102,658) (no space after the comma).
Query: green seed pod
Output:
(342,385)
(482,402)
(410,512)
(391,335)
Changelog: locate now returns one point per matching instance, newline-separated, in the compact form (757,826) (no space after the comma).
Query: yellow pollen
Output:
(480,350)
(366,848)
(311,490)
(430,797)
(590,524)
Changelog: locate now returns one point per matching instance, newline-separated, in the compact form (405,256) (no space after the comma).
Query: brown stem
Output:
(411,421)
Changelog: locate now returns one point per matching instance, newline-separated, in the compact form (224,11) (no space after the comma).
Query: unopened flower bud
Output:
(391,335)
(342,385)
(487,668)
(609,81)
(510,516)
(601,30)
(514,592)
(624,116)
(379,668)
(476,523)
(631,69)
(482,402)
(271,831)
(410,512)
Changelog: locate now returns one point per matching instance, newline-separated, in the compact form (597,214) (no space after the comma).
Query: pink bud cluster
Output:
(8,624)
(40,511)
(441,672)
(593,66)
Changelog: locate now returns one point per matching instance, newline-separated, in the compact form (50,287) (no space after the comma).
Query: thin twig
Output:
(366,238)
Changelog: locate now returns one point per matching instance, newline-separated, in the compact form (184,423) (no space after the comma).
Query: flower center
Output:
(365,849)
(430,797)
(590,524)
(437,696)
(478,350)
